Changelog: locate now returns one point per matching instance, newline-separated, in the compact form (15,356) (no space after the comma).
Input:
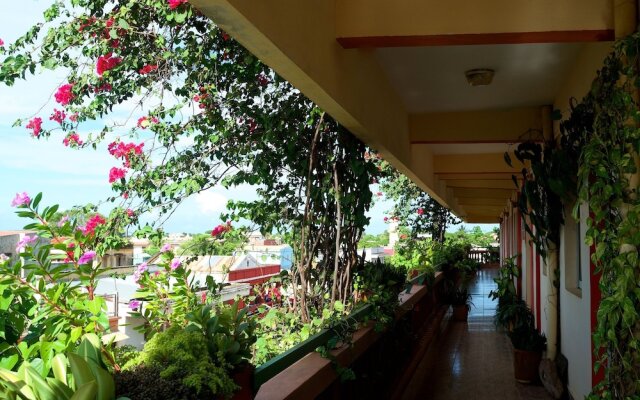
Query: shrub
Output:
(183,356)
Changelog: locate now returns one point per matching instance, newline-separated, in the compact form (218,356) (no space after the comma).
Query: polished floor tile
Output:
(471,360)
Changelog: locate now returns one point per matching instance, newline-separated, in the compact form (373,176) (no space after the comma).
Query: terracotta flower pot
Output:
(525,365)
(460,313)
(243,377)
(113,323)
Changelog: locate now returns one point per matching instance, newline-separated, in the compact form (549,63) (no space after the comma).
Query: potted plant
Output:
(528,345)
(461,302)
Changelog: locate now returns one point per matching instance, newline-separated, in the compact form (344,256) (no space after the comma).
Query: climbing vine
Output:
(595,161)
(608,119)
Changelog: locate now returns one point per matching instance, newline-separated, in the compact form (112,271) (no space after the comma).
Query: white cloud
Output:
(210,202)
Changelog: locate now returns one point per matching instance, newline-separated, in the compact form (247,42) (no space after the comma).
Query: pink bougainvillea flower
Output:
(147,69)
(220,229)
(379,194)
(385,219)
(24,242)
(165,248)
(21,199)
(73,117)
(420,211)
(225,36)
(134,304)
(35,124)
(72,140)
(87,257)
(175,264)
(143,123)
(64,95)
(58,116)
(130,213)
(115,174)
(125,151)
(1,42)
(173,4)
(92,224)
(106,63)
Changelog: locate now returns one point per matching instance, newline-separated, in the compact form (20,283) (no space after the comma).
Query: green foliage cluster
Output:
(378,284)
(204,244)
(47,297)
(369,240)
(183,356)
(80,375)
(595,161)
(413,207)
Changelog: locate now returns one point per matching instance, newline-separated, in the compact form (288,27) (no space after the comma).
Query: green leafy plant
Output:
(461,297)
(80,375)
(379,284)
(227,330)
(47,295)
(183,356)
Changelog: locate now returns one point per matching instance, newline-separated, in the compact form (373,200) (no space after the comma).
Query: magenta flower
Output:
(134,304)
(141,270)
(420,211)
(175,264)
(165,248)
(1,42)
(87,257)
(64,95)
(24,242)
(173,4)
(62,221)
(21,199)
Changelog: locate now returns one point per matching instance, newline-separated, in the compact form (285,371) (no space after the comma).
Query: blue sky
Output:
(72,177)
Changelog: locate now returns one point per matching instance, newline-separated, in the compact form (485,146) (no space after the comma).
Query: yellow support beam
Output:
(482,183)
(495,126)
(383,23)
(491,163)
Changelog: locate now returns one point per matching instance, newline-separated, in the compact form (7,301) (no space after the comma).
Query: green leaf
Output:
(81,371)
(59,367)
(86,391)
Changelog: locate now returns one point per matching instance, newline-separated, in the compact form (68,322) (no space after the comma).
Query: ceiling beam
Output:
(495,126)
(382,23)
(506,176)
(490,163)
(482,183)
(503,194)
(481,201)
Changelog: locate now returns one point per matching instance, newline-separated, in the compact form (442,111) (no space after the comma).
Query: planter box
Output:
(525,365)
(114,323)
(460,313)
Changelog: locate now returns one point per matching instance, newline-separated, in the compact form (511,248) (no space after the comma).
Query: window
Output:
(572,248)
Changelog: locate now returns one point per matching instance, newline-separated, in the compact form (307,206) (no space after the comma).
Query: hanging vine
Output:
(595,161)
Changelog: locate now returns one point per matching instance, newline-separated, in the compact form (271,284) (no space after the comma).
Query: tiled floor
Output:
(471,360)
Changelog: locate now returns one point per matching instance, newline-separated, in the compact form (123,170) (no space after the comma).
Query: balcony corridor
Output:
(472,360)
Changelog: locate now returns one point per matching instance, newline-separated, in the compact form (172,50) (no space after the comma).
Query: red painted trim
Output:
(596,296)
(596,35)
(530,269)
(519,250)
(538,294)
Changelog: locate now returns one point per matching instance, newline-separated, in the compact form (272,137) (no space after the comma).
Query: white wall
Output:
(575,311)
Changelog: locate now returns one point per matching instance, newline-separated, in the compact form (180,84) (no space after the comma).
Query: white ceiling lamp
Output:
(479,76)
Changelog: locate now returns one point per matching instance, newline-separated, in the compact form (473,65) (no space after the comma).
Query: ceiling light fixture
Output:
(479,76)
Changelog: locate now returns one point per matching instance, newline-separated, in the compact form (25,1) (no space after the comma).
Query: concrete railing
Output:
(302,373)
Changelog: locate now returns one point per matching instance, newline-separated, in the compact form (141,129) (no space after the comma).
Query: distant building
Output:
(127,256)
(9,241)
(242,268)
(374,254)
(269,254)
